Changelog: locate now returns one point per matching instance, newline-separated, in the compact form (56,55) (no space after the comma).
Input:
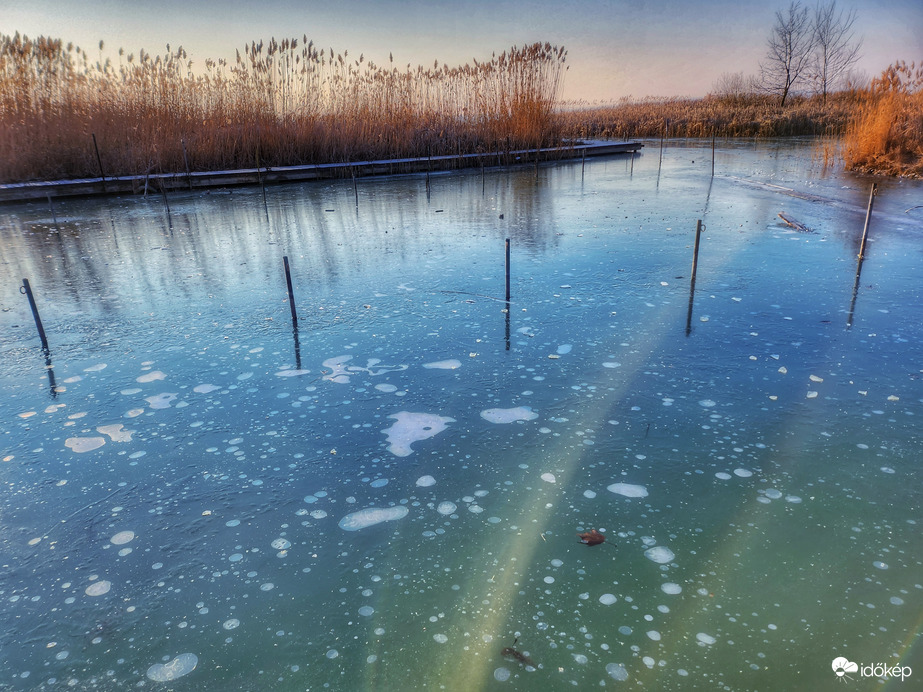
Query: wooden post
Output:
(507,272)
(27,290)
(99,162)
(868,218)
(695,250)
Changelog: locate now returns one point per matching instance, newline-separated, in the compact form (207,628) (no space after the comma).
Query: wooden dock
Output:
(137,184)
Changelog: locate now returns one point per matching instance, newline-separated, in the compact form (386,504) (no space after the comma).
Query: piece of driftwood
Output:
(797,225)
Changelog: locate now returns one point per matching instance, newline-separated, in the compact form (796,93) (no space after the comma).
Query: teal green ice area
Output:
(196,499)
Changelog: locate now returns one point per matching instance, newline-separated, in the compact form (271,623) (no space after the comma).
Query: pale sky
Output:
(616,48)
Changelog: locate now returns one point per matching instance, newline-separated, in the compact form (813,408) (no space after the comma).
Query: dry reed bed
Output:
(753,115)
(280,103)
(886,136)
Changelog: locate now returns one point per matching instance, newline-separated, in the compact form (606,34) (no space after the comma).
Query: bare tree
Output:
(837,48)
(790,53)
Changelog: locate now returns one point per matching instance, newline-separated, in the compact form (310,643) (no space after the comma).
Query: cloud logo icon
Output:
(842,665)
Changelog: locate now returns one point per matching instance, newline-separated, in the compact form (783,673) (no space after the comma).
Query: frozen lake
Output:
(194,500)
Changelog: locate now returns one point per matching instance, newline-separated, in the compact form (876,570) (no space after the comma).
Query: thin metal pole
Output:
(27,290)
(53,215)
(186,161)
(352,169)
(507,270)
(166,203)
(99,162)
(713,134)
(868,218)
(291,294)
(695,250)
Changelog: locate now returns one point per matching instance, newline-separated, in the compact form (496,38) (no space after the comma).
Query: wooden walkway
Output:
(136,184)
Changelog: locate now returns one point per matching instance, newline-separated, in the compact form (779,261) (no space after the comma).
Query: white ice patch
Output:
(151,376)
(291,373)
(549,478)
(707,403)
(446,508)
(607,599)
(371,516)
(743,473)
(617,671)
(205,388)
(339,373)
(122,537)
(161,400)
(564,349)
(705,638)
(413,427)
(426,481)
(659,554)
(671,588)
(386,388)
(177,668)
(612,365)
(115,432)
(84,444)
(628,490)
(98,588)
(508,415)
(450,364)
